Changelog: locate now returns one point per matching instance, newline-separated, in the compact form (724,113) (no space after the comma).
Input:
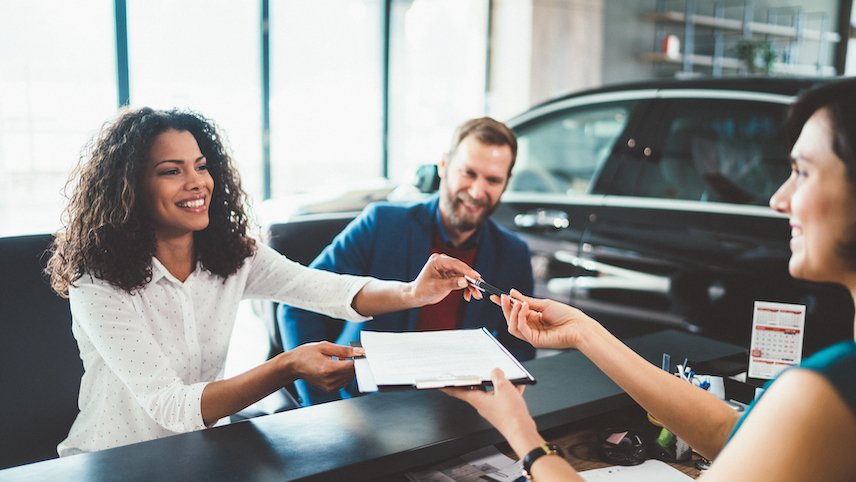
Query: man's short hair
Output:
(487,131)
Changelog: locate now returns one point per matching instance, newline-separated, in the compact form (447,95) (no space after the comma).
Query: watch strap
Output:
(536,453)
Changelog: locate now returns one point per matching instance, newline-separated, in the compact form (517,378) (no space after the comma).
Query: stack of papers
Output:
(433,359)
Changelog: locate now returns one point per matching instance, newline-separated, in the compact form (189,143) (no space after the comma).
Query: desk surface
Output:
(367,437)
(578,441)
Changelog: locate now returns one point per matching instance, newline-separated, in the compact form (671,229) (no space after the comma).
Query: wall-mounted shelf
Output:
(735,25)
(737,64)
(711,31)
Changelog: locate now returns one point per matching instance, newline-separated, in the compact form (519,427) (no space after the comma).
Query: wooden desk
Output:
(365,438)
(578,441)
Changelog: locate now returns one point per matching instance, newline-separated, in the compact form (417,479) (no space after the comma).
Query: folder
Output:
(433,359)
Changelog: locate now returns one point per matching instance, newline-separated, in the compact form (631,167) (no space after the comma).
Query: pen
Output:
(482,285)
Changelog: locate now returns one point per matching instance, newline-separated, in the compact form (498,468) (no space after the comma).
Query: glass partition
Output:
(203,55)
(326,94)
(437,77)
(58,84)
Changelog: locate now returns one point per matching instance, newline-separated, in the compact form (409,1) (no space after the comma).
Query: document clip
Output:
(449,381)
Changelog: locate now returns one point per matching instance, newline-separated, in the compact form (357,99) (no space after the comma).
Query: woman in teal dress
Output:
(804,425)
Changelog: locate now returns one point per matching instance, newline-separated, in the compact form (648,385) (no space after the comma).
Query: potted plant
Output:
(759,56)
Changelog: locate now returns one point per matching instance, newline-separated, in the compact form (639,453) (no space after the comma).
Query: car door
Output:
(683,236)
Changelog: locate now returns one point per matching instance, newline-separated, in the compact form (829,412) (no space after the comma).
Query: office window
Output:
(437,77)
(203,55)
(57,86)
(326,94)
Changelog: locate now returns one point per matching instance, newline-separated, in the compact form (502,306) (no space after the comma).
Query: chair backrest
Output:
(301,241)
(40,366)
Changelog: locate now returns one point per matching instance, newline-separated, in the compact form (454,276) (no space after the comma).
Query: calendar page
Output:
(777,338)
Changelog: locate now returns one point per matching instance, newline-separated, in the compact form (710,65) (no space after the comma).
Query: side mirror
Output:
(427,179)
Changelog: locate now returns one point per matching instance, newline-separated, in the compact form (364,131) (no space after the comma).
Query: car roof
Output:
(770,85)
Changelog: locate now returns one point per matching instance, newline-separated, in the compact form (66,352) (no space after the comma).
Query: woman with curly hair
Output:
(803,426)
(155,258)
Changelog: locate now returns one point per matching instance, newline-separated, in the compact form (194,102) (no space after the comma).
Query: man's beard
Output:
(462,220)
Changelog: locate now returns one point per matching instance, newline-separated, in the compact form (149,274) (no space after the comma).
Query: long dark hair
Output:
(107,233)
(839,98)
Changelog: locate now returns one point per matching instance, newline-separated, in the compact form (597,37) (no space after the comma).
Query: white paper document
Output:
(434,359)
(648,471)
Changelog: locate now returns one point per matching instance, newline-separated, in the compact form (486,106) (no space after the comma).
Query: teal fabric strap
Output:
(836,363)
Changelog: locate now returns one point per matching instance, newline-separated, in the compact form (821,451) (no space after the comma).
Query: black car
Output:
(645,205)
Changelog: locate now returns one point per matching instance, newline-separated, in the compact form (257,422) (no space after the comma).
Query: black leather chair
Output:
(300,241)
(40,365)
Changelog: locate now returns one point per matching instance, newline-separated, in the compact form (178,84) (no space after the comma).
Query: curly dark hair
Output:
(107,233)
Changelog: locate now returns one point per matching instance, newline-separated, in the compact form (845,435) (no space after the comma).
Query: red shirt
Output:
(448,314)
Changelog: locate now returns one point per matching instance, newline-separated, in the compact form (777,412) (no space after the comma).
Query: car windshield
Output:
(561,153)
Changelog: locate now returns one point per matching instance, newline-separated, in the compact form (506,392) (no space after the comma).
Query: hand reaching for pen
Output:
(441,275)
(315,363)
(543,323)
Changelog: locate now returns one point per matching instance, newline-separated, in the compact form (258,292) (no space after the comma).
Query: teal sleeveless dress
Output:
(836,363)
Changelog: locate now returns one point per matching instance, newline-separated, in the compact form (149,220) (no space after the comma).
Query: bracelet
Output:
(536,453)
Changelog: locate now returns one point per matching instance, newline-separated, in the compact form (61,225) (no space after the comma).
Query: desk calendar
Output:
(777,336)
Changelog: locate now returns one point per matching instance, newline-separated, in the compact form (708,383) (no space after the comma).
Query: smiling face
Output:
(819,199)
(176,186)
(472,182)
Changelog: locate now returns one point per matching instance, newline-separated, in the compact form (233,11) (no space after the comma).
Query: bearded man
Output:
(392,241)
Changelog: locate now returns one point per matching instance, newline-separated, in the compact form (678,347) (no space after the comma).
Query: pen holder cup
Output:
(667,446)
(622,446)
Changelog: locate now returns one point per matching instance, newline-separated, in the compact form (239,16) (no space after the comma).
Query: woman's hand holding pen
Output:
(326,365)
(543,323)
(323,364)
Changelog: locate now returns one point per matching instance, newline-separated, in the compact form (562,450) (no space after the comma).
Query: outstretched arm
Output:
(313,362)
(697,416)
(440,276)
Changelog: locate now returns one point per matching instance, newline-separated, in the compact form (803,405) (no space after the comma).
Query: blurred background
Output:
(315,95)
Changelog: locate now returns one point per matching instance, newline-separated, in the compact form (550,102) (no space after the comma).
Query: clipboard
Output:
(433,359)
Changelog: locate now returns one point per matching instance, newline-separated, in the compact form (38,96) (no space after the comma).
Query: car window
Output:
(562,152)
(718,151)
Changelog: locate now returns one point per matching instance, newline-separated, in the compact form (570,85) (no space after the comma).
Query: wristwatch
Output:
(536,453)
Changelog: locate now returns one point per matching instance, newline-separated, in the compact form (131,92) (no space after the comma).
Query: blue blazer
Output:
(393,242)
